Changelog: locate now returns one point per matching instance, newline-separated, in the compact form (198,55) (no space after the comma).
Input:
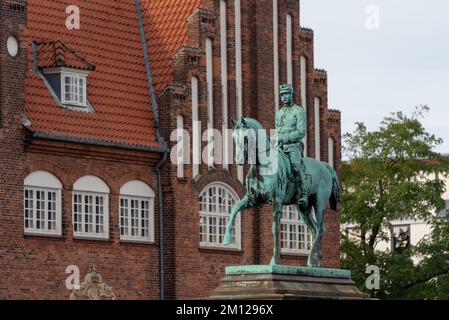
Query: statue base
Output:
(278,282)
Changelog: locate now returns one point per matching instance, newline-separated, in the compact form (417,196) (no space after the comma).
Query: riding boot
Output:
(303,197)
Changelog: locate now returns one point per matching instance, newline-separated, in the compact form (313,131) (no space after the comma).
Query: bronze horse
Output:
(278,187)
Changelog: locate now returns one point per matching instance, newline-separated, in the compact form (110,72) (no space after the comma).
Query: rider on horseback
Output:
(291,123)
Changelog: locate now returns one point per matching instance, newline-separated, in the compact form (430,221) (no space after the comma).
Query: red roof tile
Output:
(166,29)
(117,89)
(56,54)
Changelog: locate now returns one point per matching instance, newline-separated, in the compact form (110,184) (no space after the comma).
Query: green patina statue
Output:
(285,177)
(291,124)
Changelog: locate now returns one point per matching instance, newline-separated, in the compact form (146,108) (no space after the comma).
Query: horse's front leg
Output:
(245,203)
(276,229)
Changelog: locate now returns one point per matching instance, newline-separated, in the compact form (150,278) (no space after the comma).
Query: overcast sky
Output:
(372,72)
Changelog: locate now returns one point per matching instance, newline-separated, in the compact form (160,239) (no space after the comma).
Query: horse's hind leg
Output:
(315,254)
(307,219)
(276,229)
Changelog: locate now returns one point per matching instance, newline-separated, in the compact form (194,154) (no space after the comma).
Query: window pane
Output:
(68,88)
(81,90)
(75,89)
(401,238)
(88,214)
(40,210)
(135,218)
(295,235)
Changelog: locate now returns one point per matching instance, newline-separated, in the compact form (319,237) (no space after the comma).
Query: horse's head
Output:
(245,137)
(239,135)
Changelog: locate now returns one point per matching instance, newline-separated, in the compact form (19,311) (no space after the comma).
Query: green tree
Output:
(394,173)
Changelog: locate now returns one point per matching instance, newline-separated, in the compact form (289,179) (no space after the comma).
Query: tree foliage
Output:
(394,173)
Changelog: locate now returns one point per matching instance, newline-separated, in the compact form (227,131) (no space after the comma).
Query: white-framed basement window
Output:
(42,204)
(137,212)
(296,237)
(90,208)
(216,201)
(74,88)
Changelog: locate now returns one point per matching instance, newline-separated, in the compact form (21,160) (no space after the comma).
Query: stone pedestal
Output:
(286,283)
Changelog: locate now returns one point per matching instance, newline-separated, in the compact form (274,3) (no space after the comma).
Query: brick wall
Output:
(12,71)
(36,265)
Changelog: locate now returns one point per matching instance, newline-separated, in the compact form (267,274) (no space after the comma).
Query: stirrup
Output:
(303,203)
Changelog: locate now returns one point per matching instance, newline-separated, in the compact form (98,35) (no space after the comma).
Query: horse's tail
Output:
(335,196)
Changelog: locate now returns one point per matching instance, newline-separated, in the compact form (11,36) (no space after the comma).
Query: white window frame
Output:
(207,215)
(95,187)
(137,191)
(87,234)
(42,181)
(77,77)
(297,223)
(139,238)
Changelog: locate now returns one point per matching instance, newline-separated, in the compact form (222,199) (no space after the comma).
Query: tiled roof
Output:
(166,29)
(117,89)
(56,54)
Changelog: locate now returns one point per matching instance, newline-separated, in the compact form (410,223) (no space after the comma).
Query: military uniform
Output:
(291,123)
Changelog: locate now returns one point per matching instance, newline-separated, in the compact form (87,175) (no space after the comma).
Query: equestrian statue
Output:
(284,177)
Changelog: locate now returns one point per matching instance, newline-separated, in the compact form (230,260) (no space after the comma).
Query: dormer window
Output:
(69,85)
(73,89)
(65,74)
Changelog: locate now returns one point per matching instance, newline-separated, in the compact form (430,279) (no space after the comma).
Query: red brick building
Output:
(87,116)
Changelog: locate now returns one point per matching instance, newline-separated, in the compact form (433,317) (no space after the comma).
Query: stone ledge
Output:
(288,270)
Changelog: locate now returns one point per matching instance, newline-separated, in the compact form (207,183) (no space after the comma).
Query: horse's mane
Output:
(256,125)
(253,123)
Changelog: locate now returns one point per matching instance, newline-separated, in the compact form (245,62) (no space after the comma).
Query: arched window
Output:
(137,212)
(42,204)
(216,201)
(91,208)
(295,235)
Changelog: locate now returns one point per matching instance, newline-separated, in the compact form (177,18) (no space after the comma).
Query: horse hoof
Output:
(227,240)
(313,263)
